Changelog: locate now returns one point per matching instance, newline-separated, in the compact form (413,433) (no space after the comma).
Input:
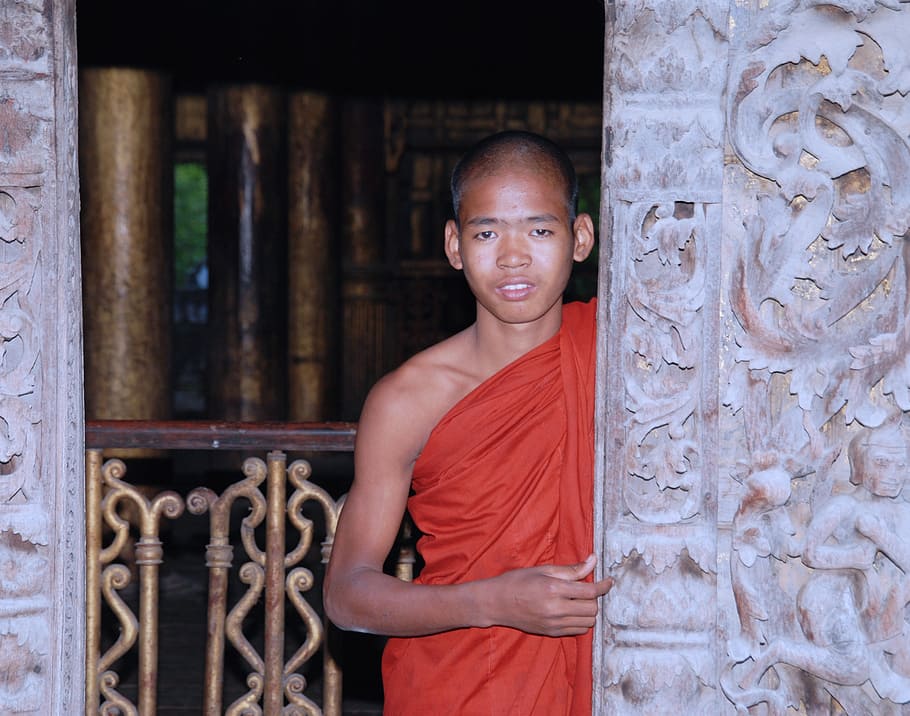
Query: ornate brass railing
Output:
(276,494)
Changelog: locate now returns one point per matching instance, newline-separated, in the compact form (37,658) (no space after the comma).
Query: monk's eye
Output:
(541,233)
(486,235)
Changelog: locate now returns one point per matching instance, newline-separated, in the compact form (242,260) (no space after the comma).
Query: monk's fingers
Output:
(572,572)
(577,612)
(572,624)
(583,569)
(582,590)
(603,586)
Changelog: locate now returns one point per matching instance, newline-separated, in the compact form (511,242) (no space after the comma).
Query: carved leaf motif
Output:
(795,180)
(765,347)
(859,406)
(668,464)
(15,224)
(21,131)
(886,355)
(843,88)
(676,304)
(807,382)
(668,236)
(672,14)
(887,31)
(868,355)
(837,43)
(777,258)
(851,231)
(23,32)
(655,346)
(897,382)
(18,417)
(23,667)
(750,544)
(669,405)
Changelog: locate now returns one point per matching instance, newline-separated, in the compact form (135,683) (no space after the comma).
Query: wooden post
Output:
(42,491)
(247,253)
(125,135)
(313,265)
(365,321)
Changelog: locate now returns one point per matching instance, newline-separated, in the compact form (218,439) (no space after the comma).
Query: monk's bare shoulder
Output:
(403,407)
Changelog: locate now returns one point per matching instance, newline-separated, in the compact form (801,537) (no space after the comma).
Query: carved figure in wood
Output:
(763,531)
(866,533)
(851,611)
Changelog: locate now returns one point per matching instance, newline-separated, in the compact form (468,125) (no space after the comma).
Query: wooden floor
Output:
(182,634)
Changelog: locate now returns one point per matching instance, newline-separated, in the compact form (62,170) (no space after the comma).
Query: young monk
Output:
(487,439)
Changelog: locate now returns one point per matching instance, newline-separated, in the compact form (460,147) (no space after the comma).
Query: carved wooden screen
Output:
(754,374)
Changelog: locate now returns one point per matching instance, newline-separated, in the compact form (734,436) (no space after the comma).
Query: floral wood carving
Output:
(758,300)
(665,179)
(41,557)
(818,121)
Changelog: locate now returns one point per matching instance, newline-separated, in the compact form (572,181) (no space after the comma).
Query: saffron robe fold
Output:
(505,481)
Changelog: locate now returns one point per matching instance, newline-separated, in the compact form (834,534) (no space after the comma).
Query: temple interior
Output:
(408,86)
(422,86)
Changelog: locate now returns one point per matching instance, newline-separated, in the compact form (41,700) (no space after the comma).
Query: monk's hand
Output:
(552,600)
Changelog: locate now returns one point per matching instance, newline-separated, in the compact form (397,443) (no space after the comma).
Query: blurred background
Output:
(264,187)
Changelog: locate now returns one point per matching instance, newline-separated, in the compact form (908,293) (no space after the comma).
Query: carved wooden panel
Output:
(754,373)
(665,188)
(41,487)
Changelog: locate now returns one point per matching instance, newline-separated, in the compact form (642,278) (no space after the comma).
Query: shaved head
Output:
(510,150)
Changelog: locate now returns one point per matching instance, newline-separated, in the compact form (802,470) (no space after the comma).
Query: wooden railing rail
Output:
(203,435)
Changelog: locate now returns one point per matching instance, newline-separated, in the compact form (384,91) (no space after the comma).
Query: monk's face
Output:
(516,242)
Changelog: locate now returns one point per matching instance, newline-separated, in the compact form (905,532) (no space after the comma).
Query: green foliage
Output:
(583,284)
(190,220)
(589,197)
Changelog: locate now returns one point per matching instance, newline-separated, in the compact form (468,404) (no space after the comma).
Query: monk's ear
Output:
(583,232)
(453,245)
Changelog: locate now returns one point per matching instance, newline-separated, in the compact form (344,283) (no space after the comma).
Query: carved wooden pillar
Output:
(659,399)
(752,439)
(313,265)
(42,504)
(364,303)
(247,253)
(125,132)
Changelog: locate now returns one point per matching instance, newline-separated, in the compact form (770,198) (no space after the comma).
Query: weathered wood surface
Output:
(203,435)
(246,152)
(126,166)
(365,329)
(313,252)
(41,496)
(754,374)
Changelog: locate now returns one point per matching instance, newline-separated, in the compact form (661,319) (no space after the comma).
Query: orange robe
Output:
(505,481)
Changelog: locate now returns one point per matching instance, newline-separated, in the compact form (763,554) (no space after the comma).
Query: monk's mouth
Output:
(515,290)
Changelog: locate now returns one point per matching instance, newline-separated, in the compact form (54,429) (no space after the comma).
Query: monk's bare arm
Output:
(553,600)
(358,594)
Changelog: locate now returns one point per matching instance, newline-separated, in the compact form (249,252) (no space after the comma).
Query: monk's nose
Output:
(512,254)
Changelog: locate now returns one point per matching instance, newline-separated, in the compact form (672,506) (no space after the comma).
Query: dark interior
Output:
(413,48)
